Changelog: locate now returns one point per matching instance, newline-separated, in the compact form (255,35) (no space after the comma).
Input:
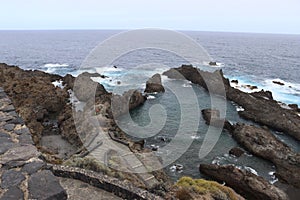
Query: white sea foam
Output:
(253,171)
(55,65)
(186,85)
(106,70)
(239,108)
(52,67)
(195,137)
(150,97)
(58,84)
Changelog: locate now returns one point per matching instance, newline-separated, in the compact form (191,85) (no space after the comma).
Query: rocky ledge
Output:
(244,182)
(263,143)
(23,174)
(259,107)
(154,84)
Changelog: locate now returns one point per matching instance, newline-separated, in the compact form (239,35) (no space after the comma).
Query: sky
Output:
(261,16)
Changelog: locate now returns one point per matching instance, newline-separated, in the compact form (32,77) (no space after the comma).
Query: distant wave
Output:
(52,67)
(288,92)
(55,65)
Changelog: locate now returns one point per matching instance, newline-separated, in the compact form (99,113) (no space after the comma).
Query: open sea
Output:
(256,59)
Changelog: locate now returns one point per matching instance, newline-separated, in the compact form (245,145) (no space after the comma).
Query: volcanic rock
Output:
(263,143)
(236,151)
(154,84)
(258,107)
(243,182)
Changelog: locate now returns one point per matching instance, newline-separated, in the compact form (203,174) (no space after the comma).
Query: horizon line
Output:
(108,29)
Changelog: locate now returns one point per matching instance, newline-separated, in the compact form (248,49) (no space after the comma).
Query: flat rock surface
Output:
(11,178)
(44,185)
(78,190)
(14,193)
(20,153)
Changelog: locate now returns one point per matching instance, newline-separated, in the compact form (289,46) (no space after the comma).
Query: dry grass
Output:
(202,187)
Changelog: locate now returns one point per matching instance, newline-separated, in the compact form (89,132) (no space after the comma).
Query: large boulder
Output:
(86,89)
(245,183)
(154,84)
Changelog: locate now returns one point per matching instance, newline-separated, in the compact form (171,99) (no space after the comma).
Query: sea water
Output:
(256,59)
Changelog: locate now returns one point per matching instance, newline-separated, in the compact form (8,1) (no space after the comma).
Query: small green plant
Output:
(202,187)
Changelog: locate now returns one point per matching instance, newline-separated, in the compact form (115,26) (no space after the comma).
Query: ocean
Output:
(256,59)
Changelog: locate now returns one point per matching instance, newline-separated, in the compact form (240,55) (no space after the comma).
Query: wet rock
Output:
(236,151)
(235,81)
(263,143)
(245,183)
(212,63)
(263,94)
(154,84)
(11,178)
(44,185)
(13,193)
(278,82)
(294,107)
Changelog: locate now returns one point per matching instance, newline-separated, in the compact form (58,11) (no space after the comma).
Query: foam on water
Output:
(58,84)
(53,67)
(289,93)
(150,97)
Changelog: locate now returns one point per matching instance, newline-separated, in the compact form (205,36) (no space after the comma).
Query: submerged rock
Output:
(236,151)
(212,63)
(154,84)
(245,183)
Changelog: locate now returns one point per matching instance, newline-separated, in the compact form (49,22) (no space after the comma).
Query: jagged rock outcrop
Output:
(263,143)
(36,99)
(258,107)
(86,89)
(154,84)
(245,183)
(212,117)
(129,100)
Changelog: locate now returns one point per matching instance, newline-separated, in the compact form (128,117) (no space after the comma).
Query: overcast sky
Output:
(266,16)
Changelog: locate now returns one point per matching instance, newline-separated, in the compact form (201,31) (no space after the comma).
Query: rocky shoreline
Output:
(272,115)
(44,102)
(257,140)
